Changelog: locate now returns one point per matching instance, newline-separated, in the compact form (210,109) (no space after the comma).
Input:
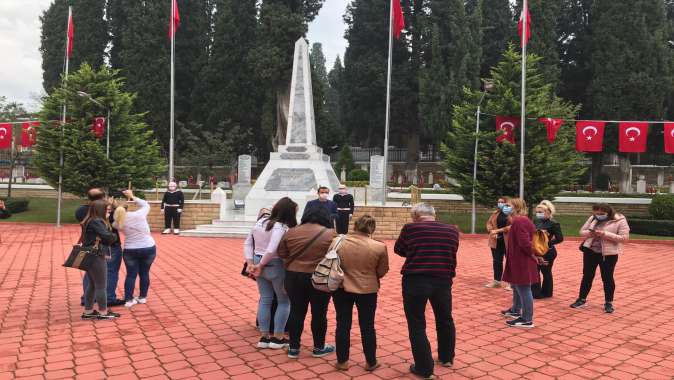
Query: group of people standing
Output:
(101,221)
(511,236)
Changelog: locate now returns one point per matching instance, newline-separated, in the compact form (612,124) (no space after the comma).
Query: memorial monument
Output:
(299,166)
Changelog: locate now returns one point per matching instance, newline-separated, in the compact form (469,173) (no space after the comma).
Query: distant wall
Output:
(194,213)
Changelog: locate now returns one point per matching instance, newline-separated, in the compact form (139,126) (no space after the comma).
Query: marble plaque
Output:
(245,162)
(295,149)
(291,180)
(295,156)
(377,171)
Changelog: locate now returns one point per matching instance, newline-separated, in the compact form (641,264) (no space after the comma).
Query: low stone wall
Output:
(194,213)
(389,220)
(563,208)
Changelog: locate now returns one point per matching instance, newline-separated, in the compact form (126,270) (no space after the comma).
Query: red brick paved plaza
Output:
(199,319)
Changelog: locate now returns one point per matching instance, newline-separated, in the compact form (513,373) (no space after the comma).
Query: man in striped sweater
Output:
(429,248)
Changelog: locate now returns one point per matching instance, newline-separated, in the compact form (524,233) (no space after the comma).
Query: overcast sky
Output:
(20,65)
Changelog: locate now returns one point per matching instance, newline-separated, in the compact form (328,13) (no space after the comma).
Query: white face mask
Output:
(323,196)
(540,215)
(172,188)
(342,191)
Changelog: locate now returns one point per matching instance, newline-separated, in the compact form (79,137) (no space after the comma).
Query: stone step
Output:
(213,234)
(234,230)
(233,223)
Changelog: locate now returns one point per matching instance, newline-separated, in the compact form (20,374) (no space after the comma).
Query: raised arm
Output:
(107,236)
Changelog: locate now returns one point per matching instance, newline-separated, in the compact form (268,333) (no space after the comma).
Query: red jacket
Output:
(521,265)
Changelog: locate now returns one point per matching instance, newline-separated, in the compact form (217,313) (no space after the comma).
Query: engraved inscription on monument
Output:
(291,180)
(377,171)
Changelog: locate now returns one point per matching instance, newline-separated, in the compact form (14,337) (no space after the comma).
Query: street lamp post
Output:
(487,87)
(107,120)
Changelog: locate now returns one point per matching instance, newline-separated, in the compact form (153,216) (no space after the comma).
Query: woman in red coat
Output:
(521,268)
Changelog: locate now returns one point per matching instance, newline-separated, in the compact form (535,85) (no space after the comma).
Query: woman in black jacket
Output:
(96,230)
(543,221)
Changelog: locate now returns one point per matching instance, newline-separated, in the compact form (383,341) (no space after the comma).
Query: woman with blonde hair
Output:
(364,262)
(521,269)
(544,221)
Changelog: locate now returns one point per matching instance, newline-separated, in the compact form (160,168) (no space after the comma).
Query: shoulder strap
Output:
(80,241)
(309,244)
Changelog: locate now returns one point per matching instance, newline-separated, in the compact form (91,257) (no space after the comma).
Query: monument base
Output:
(375,195)
(240,191)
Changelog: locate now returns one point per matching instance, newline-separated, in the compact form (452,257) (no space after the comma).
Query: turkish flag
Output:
(590,136)
(98,128)
(5,136)
(633,137)
(520,26)
(552,126)
(71,33)
(398,18)
(29,134)
(174,21)
(507,125)
(669,138)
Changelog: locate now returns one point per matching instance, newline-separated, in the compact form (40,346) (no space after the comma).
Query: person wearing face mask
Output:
(323,201)
(544,222)
(172,206)
(497,225)
(364,262)
(345,205)
(605,233)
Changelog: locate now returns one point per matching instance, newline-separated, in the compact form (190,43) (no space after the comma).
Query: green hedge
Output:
(356,183)
(16,205)
(358,175)
(662,207)
(652,227)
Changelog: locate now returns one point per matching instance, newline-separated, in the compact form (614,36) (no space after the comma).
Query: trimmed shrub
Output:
(359,175)
(356,183)
(651,227)
(602,181)
(16,205)
(662,207)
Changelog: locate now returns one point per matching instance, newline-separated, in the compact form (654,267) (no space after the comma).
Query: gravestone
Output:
(641,185)
(376,190)
(242,187)
(342,175)
(299,165)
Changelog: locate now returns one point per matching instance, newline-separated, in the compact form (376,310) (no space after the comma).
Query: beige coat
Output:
(617,232)
(491,226)
(364,261)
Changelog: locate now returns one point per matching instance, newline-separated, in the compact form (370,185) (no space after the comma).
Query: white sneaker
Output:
(131,303)
(176,231)
(166,231)
(140,300)
(506,286)
(493,284)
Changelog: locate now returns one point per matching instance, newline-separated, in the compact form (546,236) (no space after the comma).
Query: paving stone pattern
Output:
(199,319)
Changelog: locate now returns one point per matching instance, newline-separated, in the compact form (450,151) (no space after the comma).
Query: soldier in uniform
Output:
(345,205)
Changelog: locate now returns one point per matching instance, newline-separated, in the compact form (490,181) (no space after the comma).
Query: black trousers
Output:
(171,214)
(606,267)
(497,255)
(301,294)
(417,292)
(544,289)
(343,222)
(367,306)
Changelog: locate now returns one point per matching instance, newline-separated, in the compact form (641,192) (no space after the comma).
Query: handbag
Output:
(328,275)
(82,257)
(540,243)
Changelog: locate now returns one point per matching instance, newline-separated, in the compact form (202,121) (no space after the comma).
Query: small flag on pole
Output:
(525,18)
(398,18)
(175,19)
(71,33)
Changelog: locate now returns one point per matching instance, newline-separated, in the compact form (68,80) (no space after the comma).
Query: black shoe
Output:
(263,343)
(325,351)
(93,315)
(578,304)
(413,369)
(510,313)
(109,315)
(277,344)
(520,323)
(116,302)
(608,308)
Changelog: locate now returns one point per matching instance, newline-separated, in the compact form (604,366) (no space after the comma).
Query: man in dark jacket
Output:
(323,201)
(115,262)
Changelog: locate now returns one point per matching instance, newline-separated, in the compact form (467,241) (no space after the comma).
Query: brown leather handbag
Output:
(82,257)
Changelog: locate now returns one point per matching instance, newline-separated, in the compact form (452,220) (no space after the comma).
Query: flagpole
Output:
(388,101)
(523,121)
(63,121)
(173,48)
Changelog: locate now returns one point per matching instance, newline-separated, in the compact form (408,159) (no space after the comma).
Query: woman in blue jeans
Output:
(260,252)
(139,249)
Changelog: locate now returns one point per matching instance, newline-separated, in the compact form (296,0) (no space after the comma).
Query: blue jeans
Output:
(113,274)
(269,283)
(523,301)
(138,263)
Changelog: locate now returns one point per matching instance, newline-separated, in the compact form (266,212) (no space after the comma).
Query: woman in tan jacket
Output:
(497,227)
(364,261)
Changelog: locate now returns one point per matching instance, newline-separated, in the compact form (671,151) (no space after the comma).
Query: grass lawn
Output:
(43,210)
(570,224)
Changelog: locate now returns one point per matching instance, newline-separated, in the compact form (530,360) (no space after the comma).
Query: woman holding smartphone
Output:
(605,233)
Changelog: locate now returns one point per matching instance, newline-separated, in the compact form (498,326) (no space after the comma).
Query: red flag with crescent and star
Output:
(590,136)
(552,126)
(633,137)
(398,19)
(29,134)
(98,128)
(5,136)
(669,138)
(507,125)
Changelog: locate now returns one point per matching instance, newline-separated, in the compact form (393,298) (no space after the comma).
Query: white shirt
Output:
(136,229)
(262,242)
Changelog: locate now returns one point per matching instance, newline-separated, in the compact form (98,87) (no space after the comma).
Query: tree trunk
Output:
(12,159)
(412,156)
(625,177)
(282,109)
(595,169)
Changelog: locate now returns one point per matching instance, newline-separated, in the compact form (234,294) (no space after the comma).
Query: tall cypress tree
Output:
(333,97)
(497,31)
(575,50)
(90,38)
(327,135)
(544,38)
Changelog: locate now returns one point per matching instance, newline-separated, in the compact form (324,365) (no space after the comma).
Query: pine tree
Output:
(548,167)
(630,61)
(89,43)
(134,154)
(328,136)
